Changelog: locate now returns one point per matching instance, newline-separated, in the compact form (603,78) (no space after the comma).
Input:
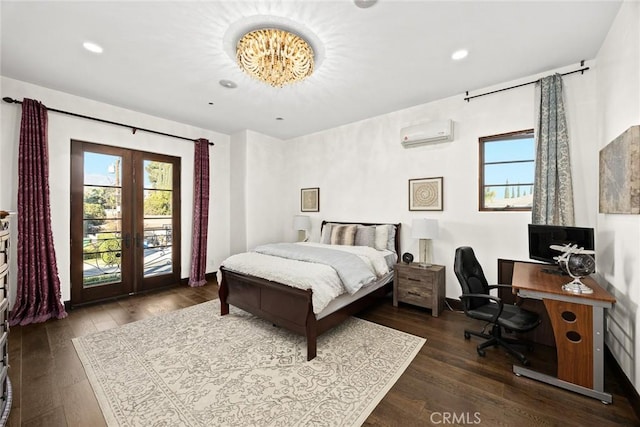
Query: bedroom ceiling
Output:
(167,58)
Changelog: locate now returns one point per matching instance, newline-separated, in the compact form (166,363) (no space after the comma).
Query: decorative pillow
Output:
(382,236)
(391,242)
(325,236)
(343,234)
(365,236)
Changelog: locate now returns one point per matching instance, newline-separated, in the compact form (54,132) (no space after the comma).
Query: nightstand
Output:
(421,286)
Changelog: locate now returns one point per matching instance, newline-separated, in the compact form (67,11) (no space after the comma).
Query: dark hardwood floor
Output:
(446,384)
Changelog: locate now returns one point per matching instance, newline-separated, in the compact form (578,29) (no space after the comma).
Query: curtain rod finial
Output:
(9,100)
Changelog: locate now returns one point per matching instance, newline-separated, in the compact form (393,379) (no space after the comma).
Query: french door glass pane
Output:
(102,222)
(157,222)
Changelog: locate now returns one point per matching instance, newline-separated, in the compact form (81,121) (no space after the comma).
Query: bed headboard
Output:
(397,226)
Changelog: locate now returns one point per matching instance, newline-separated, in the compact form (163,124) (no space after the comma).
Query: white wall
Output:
(618,251)
(258,176)
(363,171)
(238,183)
(63,128)
(267,217)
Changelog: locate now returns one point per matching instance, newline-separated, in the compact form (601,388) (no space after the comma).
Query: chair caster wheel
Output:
(482,352)
(467,335)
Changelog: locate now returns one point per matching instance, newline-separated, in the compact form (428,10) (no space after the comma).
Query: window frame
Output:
(520,134)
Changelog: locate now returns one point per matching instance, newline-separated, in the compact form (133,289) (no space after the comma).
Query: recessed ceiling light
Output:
(92,47)
(228,84)
(363,4)
(459,54)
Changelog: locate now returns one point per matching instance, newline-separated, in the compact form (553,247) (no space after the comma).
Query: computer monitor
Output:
(542,236)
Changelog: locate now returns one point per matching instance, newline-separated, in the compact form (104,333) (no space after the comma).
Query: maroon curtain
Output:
(38,290)
(200,213)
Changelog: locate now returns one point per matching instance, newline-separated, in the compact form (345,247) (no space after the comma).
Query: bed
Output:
(293,308)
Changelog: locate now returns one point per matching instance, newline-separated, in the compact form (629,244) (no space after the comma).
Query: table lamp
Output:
(424,229)
(302,223)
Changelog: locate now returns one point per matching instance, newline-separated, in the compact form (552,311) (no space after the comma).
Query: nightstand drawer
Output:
(416,295)
(413,278)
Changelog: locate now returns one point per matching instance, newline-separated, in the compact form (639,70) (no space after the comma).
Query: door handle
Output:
(127,240)
(137,240)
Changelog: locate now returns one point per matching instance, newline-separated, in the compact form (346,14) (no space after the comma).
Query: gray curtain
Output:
(553,189)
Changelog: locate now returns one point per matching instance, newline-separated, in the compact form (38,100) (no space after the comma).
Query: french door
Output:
(125,221)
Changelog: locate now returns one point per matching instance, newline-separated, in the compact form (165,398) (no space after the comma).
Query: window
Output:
(507,168)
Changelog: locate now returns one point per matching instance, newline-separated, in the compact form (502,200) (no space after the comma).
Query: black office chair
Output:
(479,304)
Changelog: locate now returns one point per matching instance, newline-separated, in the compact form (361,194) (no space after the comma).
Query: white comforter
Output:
(320,278)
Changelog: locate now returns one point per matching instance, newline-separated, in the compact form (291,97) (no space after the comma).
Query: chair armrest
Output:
(485,296)
(503,286)
(500,286)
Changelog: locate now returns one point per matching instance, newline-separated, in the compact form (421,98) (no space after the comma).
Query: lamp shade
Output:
(301,222)
(424,228)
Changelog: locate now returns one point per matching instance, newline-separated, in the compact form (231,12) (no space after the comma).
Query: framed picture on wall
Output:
(425,194)
(310,199)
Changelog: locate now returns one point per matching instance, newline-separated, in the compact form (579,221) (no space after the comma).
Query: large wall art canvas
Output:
(620,174)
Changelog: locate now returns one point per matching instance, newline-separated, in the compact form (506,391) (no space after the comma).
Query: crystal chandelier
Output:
(275,56)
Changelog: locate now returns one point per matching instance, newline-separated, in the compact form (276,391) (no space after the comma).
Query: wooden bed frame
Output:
(289,307)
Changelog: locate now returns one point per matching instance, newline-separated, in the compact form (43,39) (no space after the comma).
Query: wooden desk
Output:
(578,327)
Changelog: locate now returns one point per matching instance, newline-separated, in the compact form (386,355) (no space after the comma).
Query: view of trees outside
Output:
(509,168)
(102,217)
(157,201)
(512,195)
(158,207)
(102,225)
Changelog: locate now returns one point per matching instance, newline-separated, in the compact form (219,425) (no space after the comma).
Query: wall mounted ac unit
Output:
(427,133)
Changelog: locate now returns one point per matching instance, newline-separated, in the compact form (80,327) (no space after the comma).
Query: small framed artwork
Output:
(425,194)
(310,199)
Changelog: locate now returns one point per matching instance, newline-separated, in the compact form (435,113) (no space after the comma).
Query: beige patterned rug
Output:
(193,367)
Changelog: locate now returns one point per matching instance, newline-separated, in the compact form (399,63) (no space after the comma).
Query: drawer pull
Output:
(414,280)
(414,293)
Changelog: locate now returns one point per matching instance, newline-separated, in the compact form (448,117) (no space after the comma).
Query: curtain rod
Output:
(581,71)
(133,128)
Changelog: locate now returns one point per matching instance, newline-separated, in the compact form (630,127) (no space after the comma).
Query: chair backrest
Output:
(471,277)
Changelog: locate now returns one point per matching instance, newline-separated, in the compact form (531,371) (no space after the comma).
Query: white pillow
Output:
(325,236)
(365,236)
(391,243)
(382,236)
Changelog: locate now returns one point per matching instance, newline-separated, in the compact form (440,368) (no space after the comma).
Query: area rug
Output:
(193,367)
